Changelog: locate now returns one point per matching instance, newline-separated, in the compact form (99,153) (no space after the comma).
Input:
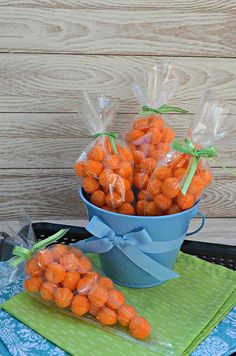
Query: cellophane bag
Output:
(105,167)
(66,279)
(180,179)
(150,137)
(24,236)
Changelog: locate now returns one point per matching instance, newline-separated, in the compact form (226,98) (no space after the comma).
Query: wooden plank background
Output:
(52,50)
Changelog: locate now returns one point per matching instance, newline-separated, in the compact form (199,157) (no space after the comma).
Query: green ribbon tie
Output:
(188,148)
(112,137)
(163,109)
(22,254)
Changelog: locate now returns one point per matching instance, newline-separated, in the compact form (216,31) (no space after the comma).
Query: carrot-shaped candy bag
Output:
(150,138)
(181,177)
(106,165)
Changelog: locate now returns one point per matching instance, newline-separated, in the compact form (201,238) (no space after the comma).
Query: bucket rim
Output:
(81,193)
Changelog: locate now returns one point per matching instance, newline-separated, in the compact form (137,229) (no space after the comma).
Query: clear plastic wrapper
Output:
(9,238)
(106,165)
(66,279)
(180,179)
(150,138)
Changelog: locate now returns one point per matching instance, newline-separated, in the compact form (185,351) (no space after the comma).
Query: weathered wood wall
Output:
(52,50)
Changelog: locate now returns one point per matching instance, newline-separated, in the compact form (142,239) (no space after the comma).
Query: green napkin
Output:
(182,312)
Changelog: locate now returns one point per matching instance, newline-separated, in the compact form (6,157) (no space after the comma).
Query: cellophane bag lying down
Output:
(181,177)
(64,278)
(106,165)
(24,236)
(150,137)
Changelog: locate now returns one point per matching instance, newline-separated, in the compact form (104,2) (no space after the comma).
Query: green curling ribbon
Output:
(22,254)
(112,137)
(188,148)
(163,109)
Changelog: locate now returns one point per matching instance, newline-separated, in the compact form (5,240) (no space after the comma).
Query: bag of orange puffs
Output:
(180,179)
(150,138)
(106,165)
(65,278)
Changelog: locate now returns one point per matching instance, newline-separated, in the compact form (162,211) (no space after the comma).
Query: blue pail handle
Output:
(200,227)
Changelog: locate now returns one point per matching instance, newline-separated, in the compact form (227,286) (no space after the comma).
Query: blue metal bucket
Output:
(160,228)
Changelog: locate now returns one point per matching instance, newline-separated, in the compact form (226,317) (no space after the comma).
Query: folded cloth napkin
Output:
(183,311)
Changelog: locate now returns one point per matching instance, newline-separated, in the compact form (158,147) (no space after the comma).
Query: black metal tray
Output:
(215,253)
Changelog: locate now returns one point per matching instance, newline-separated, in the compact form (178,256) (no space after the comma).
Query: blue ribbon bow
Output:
(135,245)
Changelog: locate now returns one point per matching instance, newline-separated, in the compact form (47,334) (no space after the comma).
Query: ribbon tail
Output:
(147,264)
(188,176)
(95,246)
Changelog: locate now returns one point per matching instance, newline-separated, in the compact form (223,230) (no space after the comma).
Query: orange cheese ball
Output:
(84,264)
(124,153)
(156,135)
(115,299)
(80,305)
(141,180)
(79,169)
(33,284)
(107,316)
(145,148)
(98,296)
(69,262)
(33,268)
(196,185)
(141,123)
(174,209)
(48,290)
(140,207)
(107,178)
(92,275)
(90,184)
(63,297)
(141,195)
(71,280)
(185,201)
(162,202)
(122,185)
(179,172)
(164,147)
(126,209)
(147,165)
(85,285)
(138,156)
(125,314)
(106,283)
(125,169)
(162,173)
(139,328)
(167,135)
(98,198)
(157,154)
(156,121)
(133,135)
(76,251)
(111,161)
(154,187)
(59,249)
(44,258)
(93,310)
(114,200)
(170,187)
(96,154)
(104,207)
(151,209)
(129,197)
(55,273)
(93,168)
(206,177)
